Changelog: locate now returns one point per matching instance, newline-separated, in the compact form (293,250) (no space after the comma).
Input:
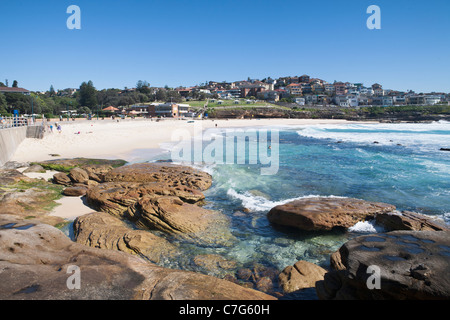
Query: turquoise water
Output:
(400,164)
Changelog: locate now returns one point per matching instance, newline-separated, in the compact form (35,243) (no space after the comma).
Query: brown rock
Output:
(408,221)
(34,168)
(213,262)
(171,175)
(118,197)
(264,284)
(411,266)
(75,191)
(301,275)
(326,213)
(101,230)
(189,221)
(244,274)
(78,175)
(62,178)
(11,176)
(35,258)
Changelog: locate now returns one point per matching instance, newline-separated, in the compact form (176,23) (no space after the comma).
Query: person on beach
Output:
(51,128)
(59,128)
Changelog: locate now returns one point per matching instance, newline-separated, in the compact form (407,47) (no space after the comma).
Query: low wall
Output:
(11,138)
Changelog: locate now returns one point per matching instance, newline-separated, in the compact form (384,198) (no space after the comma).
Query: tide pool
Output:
(399,164)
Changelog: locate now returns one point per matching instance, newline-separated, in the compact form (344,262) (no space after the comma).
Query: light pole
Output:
(32,110)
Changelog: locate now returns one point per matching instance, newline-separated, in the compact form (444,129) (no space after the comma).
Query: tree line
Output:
(87,100)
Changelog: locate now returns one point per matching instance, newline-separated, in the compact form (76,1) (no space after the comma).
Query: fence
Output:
(13,122)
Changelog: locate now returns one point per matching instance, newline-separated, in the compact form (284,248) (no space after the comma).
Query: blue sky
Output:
(175,42)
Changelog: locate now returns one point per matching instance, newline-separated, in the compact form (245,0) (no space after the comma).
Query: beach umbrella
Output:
(110,108)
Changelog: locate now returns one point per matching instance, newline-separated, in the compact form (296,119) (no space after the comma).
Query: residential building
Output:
(270,95)
(300,101)
(14,90)
(425,100)
(304,79)
(329,88)
(382,101)
(306,88)
(310,99)
(294,89)
(340,89)
(168,110)
(346,101)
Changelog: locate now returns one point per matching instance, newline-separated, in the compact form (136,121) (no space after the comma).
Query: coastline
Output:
(109,139)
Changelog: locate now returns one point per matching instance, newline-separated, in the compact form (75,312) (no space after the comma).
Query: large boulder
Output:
(75,191)
(324,213)
(39,262)
(155,205)
(188,221)
(11,176)
(301,275)
(117,197)
(62,179)
(27,197)
(401,265)
(407,220)
(78,175)
(172,175)
(102,230)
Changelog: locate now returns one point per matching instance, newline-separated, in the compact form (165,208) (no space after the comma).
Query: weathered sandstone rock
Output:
(35,259)
(117,197)
(101,230)
(78,175)
(62,179)
(321,213)
(407,221)
(75,191)
(172,175)
(301,275)
(412,265)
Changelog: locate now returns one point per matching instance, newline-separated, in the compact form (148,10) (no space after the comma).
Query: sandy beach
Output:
(110,139)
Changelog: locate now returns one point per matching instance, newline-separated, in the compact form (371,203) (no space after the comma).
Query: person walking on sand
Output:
(59,128)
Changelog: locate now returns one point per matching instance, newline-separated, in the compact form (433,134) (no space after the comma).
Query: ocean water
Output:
(400,164)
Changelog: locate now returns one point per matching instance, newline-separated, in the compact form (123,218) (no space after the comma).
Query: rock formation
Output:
(406,264)
(301,275)
(320,213)
(38,261)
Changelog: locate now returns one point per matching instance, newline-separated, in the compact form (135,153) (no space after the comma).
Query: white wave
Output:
(426,136)
(366,227)
(259,203)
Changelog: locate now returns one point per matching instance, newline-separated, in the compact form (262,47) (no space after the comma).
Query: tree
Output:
(161,95)
(3,104)
(88,95)
(15,84)
(143,87)
(51,91)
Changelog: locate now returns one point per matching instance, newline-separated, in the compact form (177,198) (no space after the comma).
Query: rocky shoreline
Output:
(118,250)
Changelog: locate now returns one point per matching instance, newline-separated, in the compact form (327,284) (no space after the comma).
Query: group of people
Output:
(57,126)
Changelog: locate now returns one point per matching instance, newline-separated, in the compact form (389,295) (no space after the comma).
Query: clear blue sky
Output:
(174,42)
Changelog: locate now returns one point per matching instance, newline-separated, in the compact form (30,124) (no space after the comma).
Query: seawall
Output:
(11,138)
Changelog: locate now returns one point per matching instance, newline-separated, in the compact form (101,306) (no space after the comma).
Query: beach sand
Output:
(109,139)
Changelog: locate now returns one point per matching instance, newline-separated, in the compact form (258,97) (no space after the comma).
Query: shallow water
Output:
(404,167)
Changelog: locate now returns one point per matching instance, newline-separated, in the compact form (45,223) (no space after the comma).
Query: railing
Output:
(12,122)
